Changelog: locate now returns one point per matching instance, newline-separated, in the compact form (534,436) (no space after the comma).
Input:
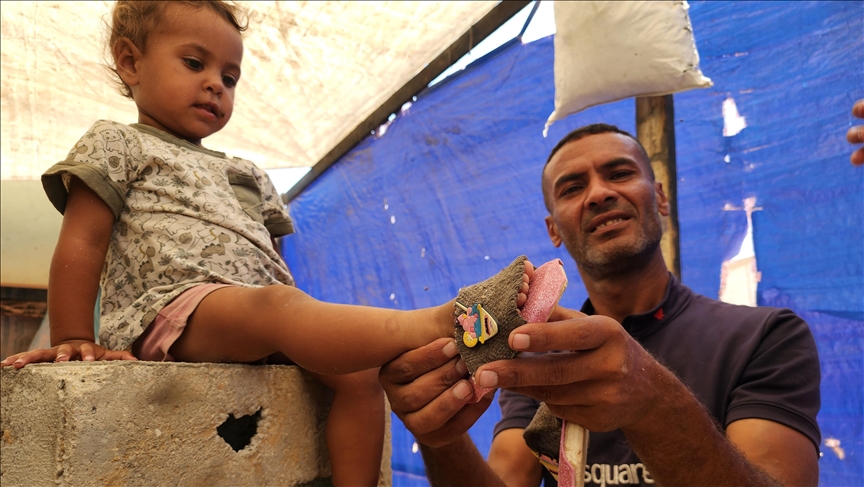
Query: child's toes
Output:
(522,298)
(546,286)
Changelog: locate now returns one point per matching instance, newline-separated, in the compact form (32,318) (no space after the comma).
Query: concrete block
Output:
(151,423)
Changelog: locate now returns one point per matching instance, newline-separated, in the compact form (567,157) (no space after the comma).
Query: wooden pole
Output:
(655,129)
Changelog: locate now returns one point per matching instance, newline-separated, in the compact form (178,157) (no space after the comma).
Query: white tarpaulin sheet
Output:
(312,71)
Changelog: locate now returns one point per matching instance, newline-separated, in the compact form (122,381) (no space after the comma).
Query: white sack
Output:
(608,51)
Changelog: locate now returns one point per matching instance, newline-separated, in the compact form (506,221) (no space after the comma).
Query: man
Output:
(730,399)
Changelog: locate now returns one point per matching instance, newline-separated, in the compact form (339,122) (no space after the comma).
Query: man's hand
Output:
(69,350)
(605,381)
(428,392)
(855,135)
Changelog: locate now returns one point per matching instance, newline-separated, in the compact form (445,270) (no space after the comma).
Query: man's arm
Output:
(681,445)
(512,460)
(609,381)
(460,463)
(782,452)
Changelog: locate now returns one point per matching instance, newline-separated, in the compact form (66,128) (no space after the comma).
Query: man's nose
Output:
(599,193)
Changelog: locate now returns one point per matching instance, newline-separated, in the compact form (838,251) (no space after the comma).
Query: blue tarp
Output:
(450,193)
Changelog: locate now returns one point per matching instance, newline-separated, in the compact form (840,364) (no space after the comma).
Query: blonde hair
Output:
(137,19)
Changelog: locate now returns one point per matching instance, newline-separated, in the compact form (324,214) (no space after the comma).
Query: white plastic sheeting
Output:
(312,71)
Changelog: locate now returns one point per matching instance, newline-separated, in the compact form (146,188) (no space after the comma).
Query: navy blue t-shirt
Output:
(740,362)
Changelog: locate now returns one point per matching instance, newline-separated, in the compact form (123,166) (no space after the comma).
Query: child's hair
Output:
(137,19)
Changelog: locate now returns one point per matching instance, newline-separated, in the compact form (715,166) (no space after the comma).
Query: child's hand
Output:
(70,350)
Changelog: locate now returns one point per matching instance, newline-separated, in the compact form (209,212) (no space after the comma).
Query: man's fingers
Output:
(458,424)
(420,392)
(857,157)
(561,313)
(584,333)
(586,393)
(444,409)
(855,135)
(438,411)
(545,370)
(414,363)
(858,108)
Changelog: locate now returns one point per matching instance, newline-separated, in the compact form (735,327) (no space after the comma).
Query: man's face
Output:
(603,204)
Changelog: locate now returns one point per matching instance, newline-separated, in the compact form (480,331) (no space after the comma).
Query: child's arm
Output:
(74,280)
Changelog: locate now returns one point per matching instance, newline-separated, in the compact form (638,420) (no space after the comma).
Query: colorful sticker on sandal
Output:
(478,324)
(549,463)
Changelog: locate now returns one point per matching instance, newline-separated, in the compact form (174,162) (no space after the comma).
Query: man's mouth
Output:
(607,223)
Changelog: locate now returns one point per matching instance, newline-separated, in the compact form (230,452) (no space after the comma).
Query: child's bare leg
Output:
(235,324)
(355,428)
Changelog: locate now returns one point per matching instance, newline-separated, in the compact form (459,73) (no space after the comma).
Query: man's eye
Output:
(193,63)
(229,81)
(621,174)
(571,189)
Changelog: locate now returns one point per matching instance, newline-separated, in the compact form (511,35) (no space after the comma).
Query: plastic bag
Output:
(608,51)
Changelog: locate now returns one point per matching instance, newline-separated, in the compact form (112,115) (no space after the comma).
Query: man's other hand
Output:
(429,391)
(604,380)
(855,135)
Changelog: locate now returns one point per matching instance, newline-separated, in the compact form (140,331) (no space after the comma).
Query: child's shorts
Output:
(168,325)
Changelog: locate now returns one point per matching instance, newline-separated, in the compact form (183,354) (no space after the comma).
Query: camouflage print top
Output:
(184,216)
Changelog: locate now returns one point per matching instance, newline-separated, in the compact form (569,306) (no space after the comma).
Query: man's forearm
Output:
(458,463)
(681,445)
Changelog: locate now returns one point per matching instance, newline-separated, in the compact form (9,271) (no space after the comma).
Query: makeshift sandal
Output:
(545,289)
(561,446)
(486,312)
(543,437)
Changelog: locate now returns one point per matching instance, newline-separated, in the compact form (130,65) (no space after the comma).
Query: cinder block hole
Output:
(238,432)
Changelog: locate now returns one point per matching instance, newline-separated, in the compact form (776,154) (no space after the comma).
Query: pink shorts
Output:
(168,325)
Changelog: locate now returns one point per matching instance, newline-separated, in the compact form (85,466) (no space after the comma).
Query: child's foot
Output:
(487,312)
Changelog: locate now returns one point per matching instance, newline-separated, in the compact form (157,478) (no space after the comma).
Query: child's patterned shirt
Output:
(184,215)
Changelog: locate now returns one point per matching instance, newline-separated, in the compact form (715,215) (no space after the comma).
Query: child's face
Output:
(186,80)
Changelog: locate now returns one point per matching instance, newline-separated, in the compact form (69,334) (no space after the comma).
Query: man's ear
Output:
(662,200)
(553,231)
(126,58)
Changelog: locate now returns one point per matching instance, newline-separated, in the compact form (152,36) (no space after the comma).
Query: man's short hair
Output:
(582,132)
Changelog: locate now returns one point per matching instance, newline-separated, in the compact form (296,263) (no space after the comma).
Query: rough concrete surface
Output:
(151,423)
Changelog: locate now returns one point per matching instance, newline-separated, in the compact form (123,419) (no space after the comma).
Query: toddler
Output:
(181,239)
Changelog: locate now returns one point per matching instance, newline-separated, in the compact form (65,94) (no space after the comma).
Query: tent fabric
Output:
(450,193)
(312,72)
